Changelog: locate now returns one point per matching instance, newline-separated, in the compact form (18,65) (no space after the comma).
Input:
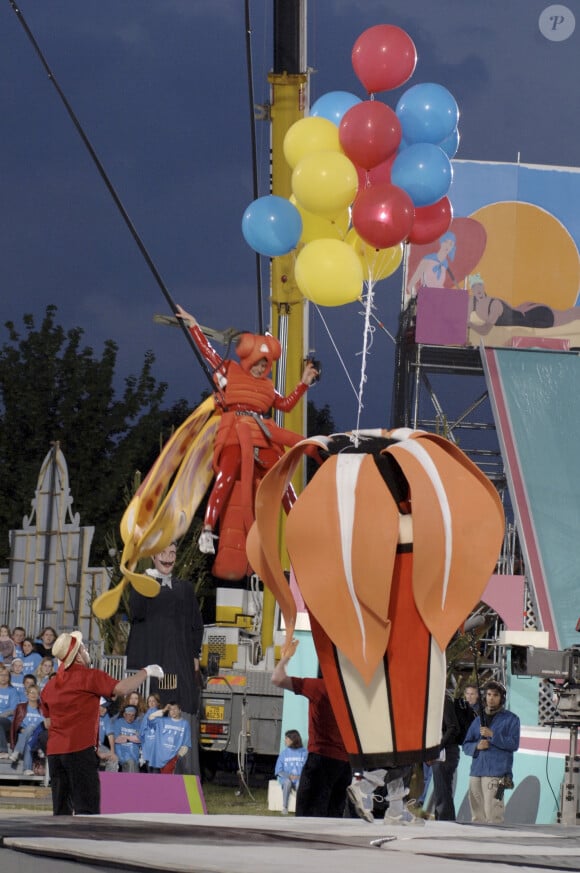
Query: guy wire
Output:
(125,215)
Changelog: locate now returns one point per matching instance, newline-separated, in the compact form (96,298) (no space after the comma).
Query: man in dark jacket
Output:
(444,767)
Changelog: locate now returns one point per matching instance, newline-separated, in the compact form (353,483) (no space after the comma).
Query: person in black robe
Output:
(169,629)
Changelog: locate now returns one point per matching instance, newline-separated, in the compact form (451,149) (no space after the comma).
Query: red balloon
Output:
(369,133)
(384,57)
(376,175)
(431,222)
(382,215)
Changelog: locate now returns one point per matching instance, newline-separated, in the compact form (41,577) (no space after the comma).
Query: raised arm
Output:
(201,341)
(280,677)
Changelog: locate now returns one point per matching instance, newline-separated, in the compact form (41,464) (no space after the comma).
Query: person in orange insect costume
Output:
(408,531)
(248,442)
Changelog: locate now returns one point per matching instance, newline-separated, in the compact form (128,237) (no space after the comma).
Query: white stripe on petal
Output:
(424,458)
(347,471)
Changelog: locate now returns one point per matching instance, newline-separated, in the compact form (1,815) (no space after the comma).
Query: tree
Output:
(52,388)
(319,420)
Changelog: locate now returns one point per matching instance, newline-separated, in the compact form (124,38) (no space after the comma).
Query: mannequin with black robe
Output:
(169,629)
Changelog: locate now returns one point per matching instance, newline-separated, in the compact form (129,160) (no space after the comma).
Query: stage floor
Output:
(236,844)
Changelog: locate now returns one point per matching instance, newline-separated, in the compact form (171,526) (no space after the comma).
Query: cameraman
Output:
(492,739)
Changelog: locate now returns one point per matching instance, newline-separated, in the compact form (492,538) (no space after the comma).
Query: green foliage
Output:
(319,420)
(52,388)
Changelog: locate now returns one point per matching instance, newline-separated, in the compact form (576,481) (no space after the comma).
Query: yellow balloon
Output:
(329,272)
(325,183)
(376,263)
(321,226)
(310,135)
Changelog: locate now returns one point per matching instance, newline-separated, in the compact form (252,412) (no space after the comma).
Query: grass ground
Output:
(229,800)
(221,797)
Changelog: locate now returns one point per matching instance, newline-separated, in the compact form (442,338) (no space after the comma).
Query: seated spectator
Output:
(8,703)
(172,738)
(43,644)
(30,657)
(37,743)
(289,766)
(6,645)
(18,635)
(127,739)
(27,681)
(17,677)
(44,671)
(147,728)
(27,717)
(108,759)
(138,701)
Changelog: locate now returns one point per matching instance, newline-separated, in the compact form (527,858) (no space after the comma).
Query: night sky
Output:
(160,88)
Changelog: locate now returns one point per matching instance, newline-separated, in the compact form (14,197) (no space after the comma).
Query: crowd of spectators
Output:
(135,735)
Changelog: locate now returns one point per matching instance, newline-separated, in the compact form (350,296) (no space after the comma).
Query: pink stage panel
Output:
(442,317)
(150,792)
(506,595)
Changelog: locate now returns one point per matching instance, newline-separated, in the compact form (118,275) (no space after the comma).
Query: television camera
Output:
(562,669)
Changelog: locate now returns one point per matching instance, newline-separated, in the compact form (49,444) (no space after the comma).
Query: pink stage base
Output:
(151,792)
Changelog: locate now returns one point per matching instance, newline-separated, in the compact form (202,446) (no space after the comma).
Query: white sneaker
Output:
(405,818)
(28,773)
(205,542)
(357,799)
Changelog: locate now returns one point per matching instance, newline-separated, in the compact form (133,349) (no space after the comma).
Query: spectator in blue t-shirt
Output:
(147,729)
(30,657)
(17,636)
(289,766)
(45,670)
(106,754)
(172,738)
(9,700)
(27,717)
(17,678)
(127,739)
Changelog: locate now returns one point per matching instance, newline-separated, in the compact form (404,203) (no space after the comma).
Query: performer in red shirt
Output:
(71,705)
(327,773)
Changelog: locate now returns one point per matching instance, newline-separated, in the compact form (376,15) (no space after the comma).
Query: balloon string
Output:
(335,347)
(367,343)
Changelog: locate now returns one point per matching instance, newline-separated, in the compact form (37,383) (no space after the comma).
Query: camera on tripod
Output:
(564,667)
(562,670)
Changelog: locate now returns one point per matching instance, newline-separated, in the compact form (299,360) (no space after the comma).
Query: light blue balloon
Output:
(333,105)
(451,144)
(272,226)
(428,113)
(424,171)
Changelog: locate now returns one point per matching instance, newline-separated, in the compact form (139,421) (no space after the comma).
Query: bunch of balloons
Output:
(366,178)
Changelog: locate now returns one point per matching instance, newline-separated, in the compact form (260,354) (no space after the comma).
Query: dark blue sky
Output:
(160,89)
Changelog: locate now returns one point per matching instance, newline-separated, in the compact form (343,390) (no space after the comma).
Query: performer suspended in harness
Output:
(248,442)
